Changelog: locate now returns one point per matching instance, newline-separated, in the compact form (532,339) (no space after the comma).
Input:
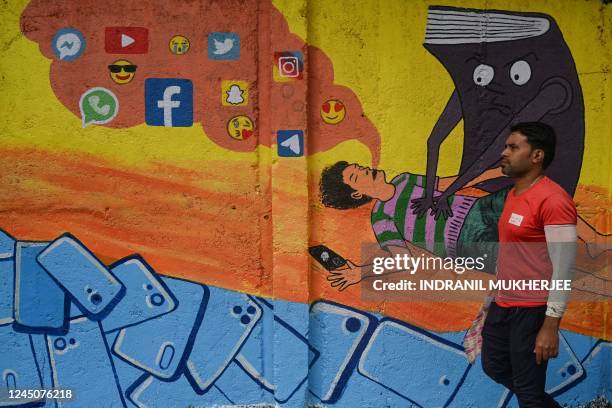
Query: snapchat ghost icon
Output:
(179,45)
(240,127)
(333,112)
(122,71)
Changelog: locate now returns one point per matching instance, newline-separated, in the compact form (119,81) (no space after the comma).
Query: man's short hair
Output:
(540,136)
(335,193)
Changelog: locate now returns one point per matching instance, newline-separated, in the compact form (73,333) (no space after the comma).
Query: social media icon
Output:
(333,111)
(179,45)
(223,46)
(288,65)
(98,105)
(122,71)
(169,102)
(126,40)
(234,93)
(290,143)
(68,44)
(240,127)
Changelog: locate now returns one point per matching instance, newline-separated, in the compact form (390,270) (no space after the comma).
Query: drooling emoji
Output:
(122,71)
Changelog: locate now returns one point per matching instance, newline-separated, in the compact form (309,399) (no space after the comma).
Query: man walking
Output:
(537,235)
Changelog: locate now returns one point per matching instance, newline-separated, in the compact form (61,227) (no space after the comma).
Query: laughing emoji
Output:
(333,112)
(122,71)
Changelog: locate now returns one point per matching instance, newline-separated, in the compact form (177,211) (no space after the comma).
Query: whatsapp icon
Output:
(99,106)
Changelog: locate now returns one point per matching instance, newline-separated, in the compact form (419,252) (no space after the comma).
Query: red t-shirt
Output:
(523,254)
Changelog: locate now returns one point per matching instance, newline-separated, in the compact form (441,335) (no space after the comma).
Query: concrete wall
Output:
(160,174)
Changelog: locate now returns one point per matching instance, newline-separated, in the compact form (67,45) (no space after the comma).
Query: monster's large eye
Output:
(483,74)
(520,72)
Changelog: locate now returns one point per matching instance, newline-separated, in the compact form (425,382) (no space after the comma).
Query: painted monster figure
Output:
(507,67)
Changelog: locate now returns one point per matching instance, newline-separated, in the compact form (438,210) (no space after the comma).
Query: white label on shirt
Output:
(516,219)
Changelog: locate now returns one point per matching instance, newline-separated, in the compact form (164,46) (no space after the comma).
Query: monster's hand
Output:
(421,205)
(441,207)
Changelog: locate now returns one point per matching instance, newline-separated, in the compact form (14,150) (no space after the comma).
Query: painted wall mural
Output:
(176,224)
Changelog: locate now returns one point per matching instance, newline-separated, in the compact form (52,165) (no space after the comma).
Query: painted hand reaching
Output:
(346,276)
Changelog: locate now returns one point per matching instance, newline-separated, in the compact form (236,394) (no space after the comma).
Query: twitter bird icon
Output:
(223,46)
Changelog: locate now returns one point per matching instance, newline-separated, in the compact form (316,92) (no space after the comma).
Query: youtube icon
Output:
(126,40)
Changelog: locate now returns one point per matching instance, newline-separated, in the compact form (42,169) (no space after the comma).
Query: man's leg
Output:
(528,377)
(496,361)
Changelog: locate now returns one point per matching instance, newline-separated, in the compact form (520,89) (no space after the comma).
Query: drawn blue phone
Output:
(426,384)
(161,346)
(41,306)
(229,319)
(90,284)
(273,337)
(146,296)
(151,392)
(340,334)
(7,290)
(7,245)
(18,368)
(80,362)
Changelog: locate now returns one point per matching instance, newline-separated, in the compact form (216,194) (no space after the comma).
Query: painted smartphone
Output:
(326,257)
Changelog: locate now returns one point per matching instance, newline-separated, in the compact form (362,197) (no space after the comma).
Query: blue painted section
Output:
(293,356)
(170,337)
(20,371)
(43,361)
(169,342)
(224,331)
(151,392)
(240,388)
(597,380)
(80,361)
(563,371)
(7,288)
(7,245)
(127,374)
(580,344)
(90,284)
(478,390)
(397,339)
(146,296)
(340,334)
(41,306)
(361,392)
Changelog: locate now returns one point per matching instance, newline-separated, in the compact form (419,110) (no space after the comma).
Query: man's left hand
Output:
(547,341)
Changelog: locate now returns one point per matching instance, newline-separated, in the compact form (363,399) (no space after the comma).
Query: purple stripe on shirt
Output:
(394,242)
(430,232)
(452,229)
(390,205)
(384,225)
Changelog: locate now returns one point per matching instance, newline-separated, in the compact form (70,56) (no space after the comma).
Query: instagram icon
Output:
(290,64)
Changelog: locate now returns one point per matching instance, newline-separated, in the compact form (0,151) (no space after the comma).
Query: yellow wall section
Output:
(376,48)
(377,51)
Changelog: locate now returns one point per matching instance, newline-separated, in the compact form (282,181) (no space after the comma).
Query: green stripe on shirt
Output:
(402,205)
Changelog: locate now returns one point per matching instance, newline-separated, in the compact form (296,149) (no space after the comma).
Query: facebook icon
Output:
(168,102)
